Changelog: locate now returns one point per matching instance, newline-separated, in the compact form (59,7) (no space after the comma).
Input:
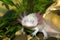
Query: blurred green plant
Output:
(7,2)
(9,24)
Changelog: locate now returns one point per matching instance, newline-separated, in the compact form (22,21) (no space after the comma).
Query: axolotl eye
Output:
(25,21)
(32,21)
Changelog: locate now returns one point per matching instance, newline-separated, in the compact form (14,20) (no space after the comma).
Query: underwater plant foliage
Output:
(9,24)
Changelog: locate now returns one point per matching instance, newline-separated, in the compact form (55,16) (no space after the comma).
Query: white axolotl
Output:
(35,21)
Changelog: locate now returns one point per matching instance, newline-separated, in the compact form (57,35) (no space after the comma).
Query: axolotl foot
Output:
(45,34)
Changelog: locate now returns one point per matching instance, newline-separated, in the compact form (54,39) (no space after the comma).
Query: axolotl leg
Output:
(36,31)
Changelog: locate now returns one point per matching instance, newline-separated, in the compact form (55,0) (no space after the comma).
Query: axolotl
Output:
(35,21)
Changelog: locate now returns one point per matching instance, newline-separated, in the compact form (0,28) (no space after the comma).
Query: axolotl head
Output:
(29,20)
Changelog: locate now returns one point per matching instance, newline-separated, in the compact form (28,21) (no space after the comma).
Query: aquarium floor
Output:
(29,37)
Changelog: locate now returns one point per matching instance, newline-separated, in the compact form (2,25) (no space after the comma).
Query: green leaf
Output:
(11,14)
(29,31)
(1,36)
(7,6)
(12,35)
(11,29)
(8,2)
(2,24)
